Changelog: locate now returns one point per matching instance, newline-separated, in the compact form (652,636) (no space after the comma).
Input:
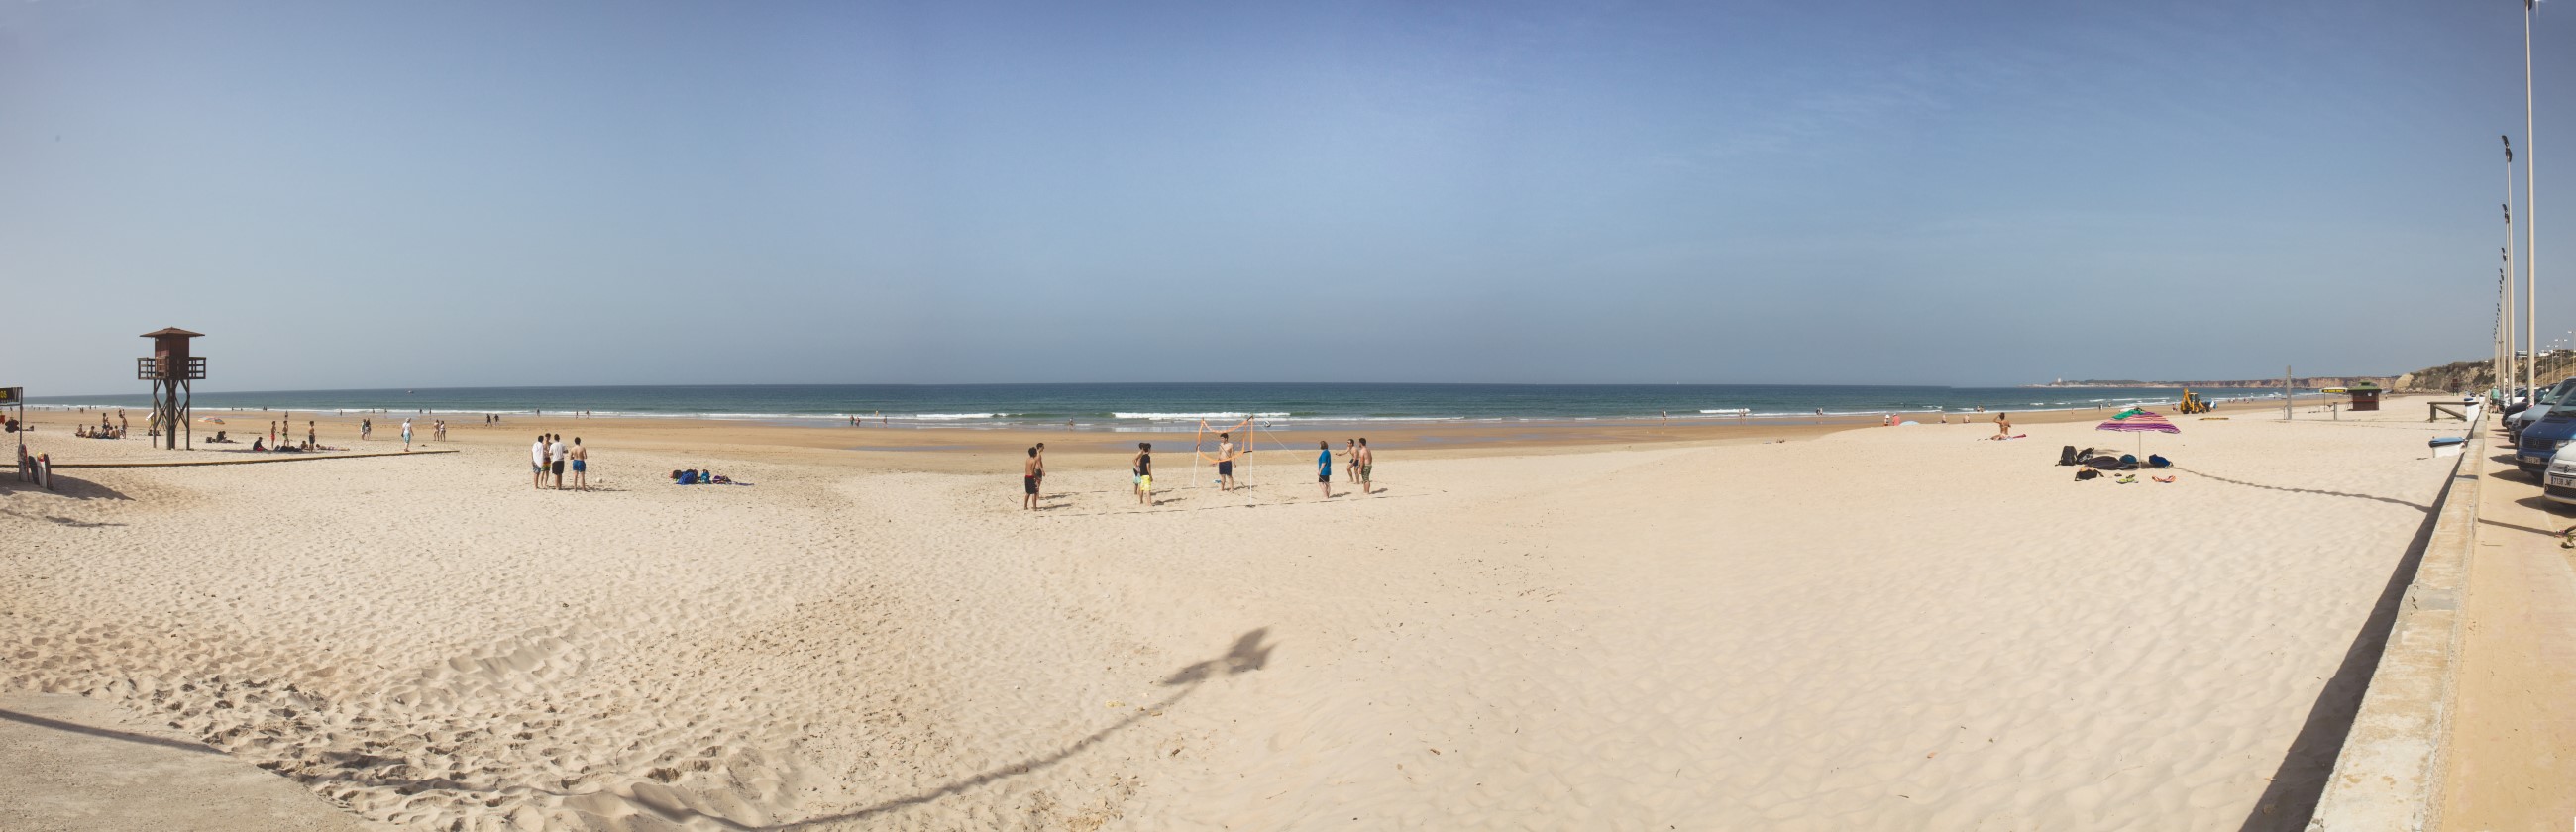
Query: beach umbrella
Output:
(2141,422)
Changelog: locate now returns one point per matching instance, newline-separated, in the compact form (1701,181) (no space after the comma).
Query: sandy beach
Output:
(1712,627)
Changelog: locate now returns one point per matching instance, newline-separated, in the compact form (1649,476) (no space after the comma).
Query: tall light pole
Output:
(2530,213)
(2512,368)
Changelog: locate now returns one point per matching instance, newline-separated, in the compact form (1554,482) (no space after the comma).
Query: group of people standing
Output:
(1357,470)
(549,457)
(1140,468)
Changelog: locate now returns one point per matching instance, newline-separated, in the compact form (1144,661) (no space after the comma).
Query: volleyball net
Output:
(1213,444)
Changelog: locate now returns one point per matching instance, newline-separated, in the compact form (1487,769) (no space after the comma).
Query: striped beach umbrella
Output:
(2142,422)
(2134,420)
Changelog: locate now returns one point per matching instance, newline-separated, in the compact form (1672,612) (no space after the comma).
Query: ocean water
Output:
(1181,406)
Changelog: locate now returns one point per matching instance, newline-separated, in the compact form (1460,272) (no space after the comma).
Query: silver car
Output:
(2559,483)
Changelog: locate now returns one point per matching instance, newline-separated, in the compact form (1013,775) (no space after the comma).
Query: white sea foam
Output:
(1192,416)
(952,416)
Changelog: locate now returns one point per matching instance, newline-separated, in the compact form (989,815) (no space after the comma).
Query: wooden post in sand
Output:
(2289,395)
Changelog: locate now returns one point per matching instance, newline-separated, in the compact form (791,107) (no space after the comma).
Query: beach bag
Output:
(2159,461)
(2066,457)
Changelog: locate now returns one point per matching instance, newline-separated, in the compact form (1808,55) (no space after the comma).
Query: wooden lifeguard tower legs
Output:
(171,370)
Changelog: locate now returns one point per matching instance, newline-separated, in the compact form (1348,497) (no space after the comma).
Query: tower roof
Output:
(173,331)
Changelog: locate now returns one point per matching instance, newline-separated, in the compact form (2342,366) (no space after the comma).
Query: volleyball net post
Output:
(1198,448)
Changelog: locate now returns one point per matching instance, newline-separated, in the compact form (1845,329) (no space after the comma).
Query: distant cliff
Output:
(2464,376)
(2272,383)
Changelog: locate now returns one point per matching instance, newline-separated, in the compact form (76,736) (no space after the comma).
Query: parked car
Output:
(2551,396)
(2539,443)
(2559,484)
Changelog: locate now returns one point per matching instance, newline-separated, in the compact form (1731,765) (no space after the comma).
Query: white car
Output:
(2559,482)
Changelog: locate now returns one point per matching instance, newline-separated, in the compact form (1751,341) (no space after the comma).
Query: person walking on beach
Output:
(1367,461)
(1143,466)
(309,441)
(580,466)
(1041,449)
(366,428)
(537,460)
(1351,448)
(406,433)
(1324,467)
(1225,462)
(555,461)
(1029,482)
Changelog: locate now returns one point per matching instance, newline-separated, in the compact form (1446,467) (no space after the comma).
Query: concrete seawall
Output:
(2388,776)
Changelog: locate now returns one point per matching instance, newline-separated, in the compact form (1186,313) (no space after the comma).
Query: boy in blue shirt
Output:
(1324,467)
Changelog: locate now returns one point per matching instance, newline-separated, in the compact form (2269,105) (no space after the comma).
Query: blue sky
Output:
(459,194)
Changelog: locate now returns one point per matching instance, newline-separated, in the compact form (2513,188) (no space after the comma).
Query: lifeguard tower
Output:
(2365,397)
(170,368)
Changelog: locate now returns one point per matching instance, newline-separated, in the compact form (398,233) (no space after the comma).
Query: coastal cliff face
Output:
(2257,383)
(2457,376)
(2464,376)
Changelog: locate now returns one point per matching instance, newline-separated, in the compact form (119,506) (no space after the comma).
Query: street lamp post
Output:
(2512,368)
(2530,209)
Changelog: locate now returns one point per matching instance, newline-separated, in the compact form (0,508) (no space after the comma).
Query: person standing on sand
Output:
(1351,448)
(406,433)
(1029,482)
(1367,462)
(580,466)
(1143,466)
(1324,467)
(556,462)
(1225,462)
(1041,449)
(309,441)
(537,460)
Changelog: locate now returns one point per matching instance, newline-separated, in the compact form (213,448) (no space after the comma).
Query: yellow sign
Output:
(12,396)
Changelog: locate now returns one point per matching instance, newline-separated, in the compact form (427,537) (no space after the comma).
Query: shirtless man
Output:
(1367,461)
(1225,462)
(1041,449)
(1351,471)
(580,465)
(1029,481)
(1143,466)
